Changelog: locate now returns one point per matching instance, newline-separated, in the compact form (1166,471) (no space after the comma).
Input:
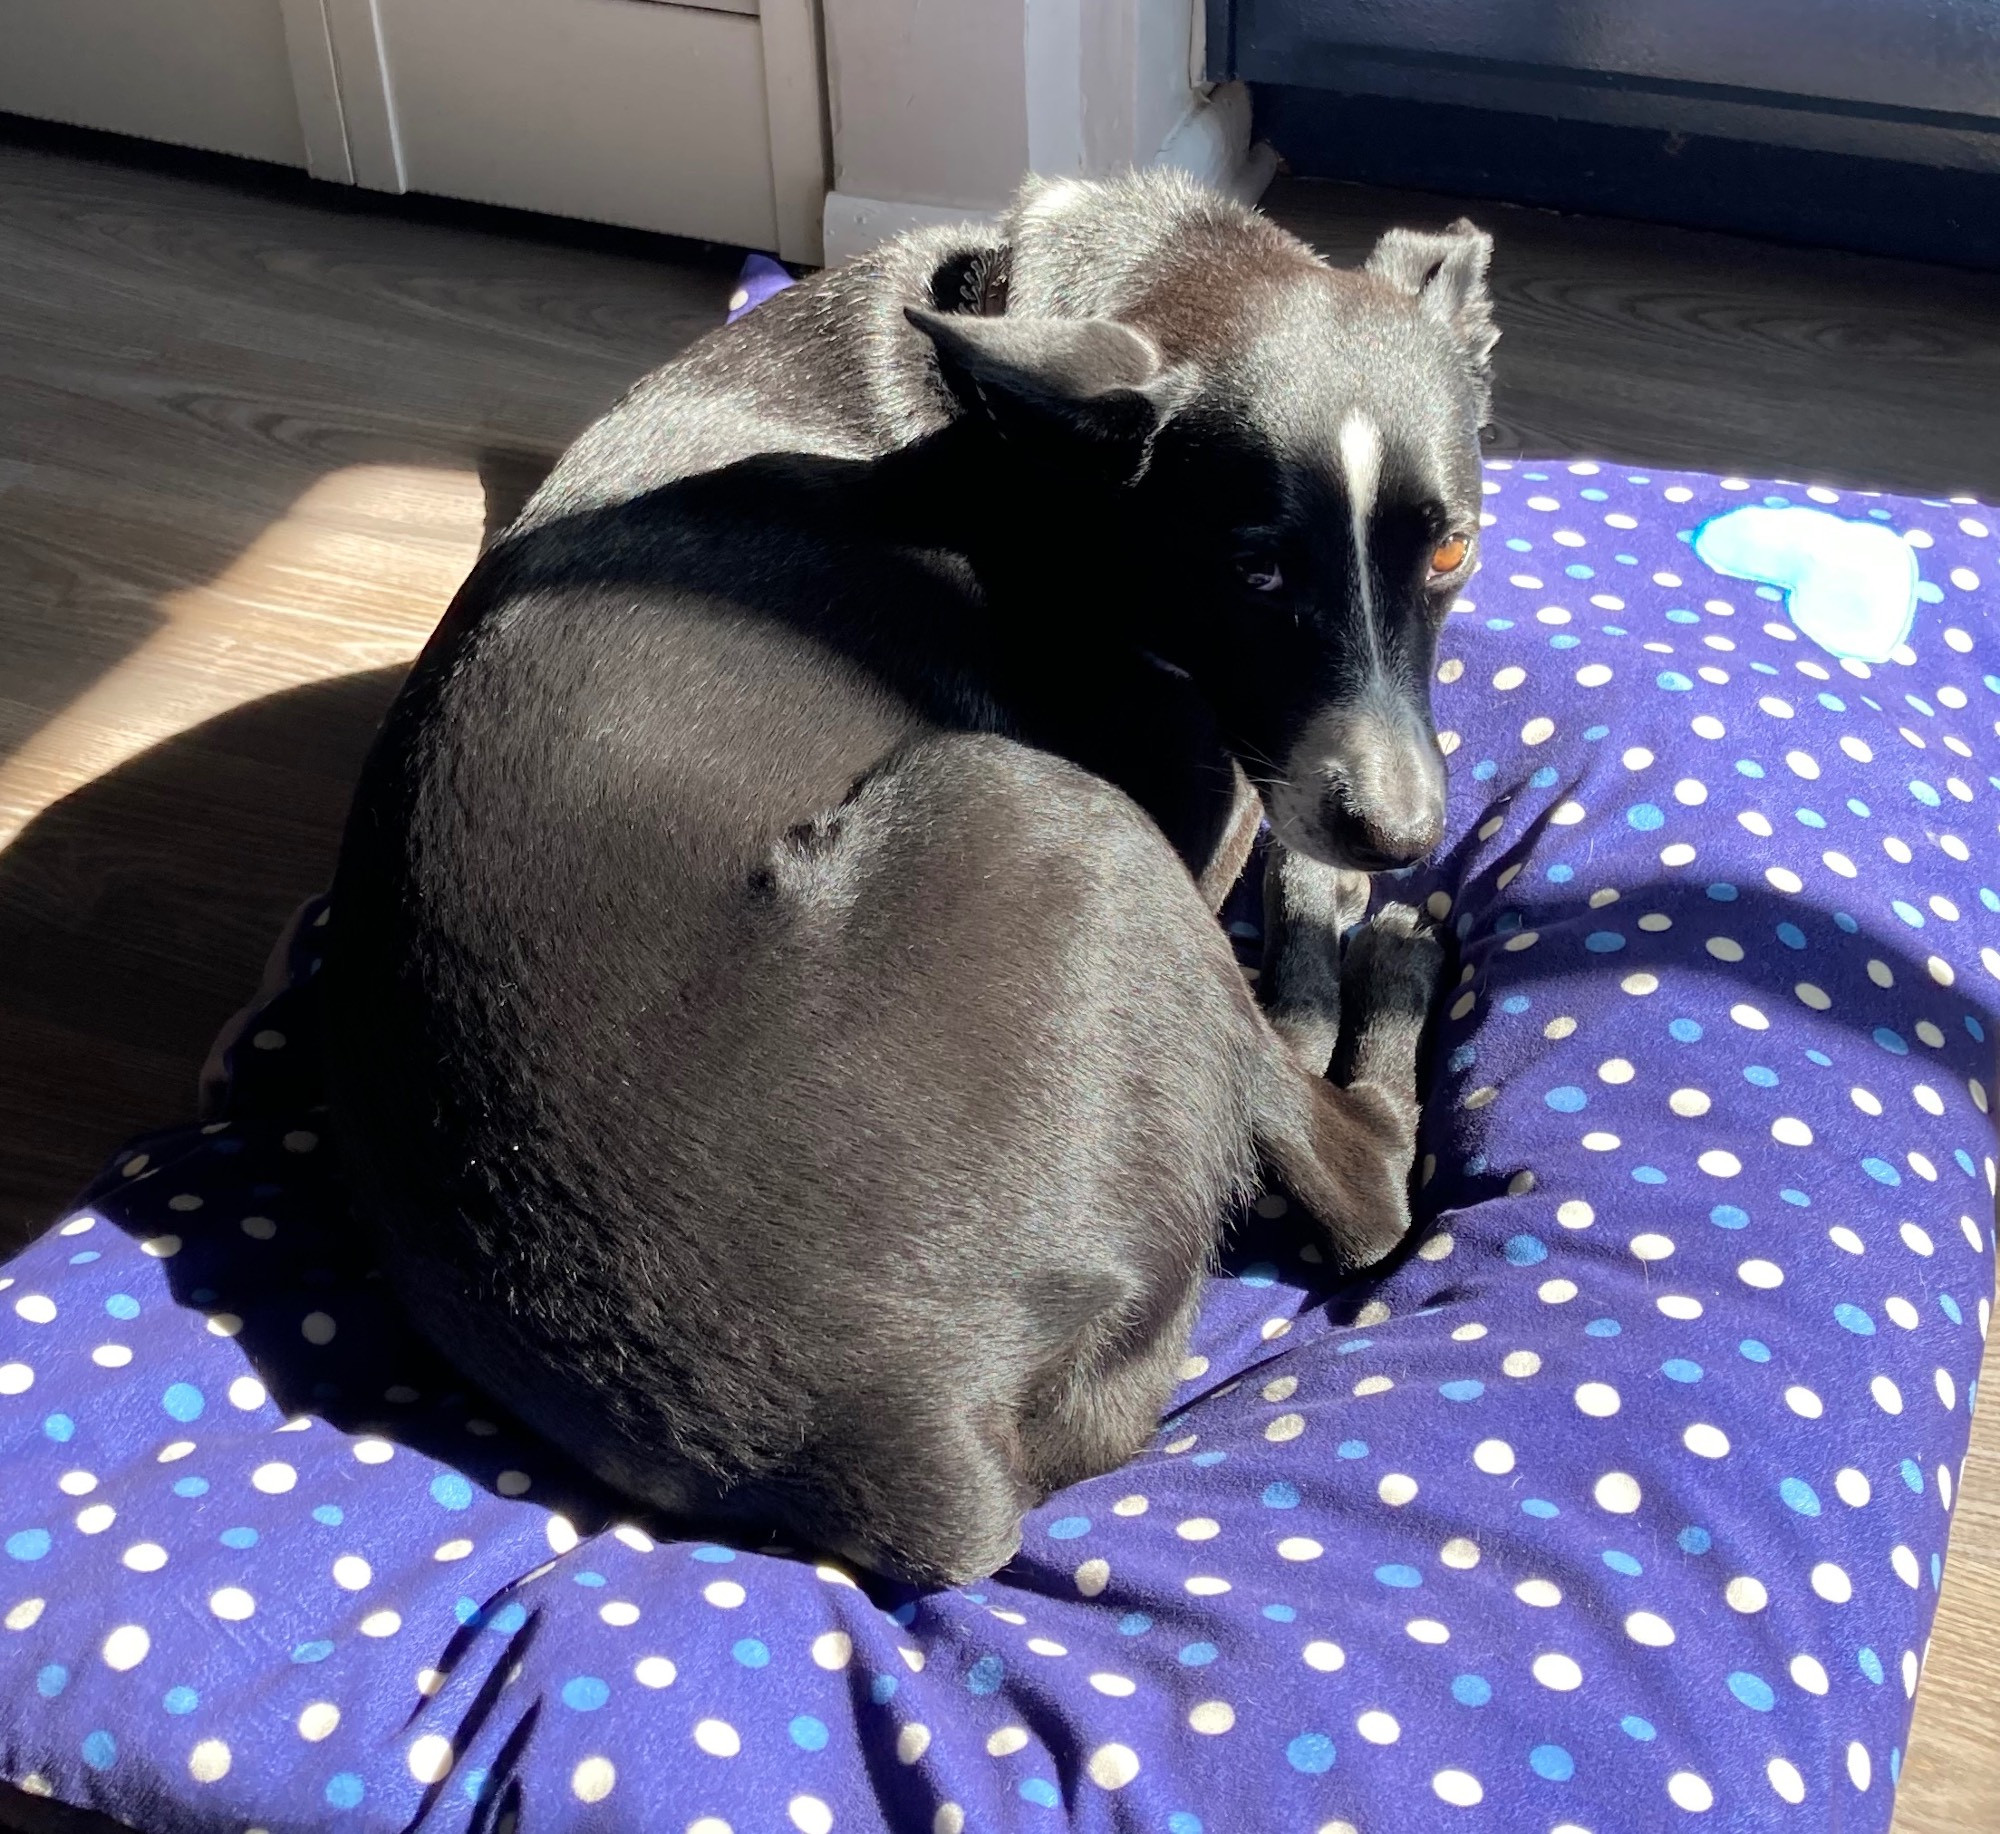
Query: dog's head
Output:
(1279,460)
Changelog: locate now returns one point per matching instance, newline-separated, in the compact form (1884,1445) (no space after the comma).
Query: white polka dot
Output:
(1212,1716)
(593,1778)
(1719,1164)
(1888,1397)
(456,1549)
(1804,1402)
(1520,1364)
(1831,1583)
(1378,1728)
(145,1557)
(1789,1130)
(1745,1594)
(1706,1441)
(1785,1779)
(1426,1630)
(25,1615)
(1683,1306)
(1597,1399)
(430,1758)
(1860,1772)
(351,1572)
(1617,1492)
(1299,1547)
(126,1646)
(1556,1292)
(208,1762)
(1326,1657)
(1688,1791)
(1763,1275)
(96,1519)
(1557,1672)
(1460,1553)
(718,1738)
(1198,1528)
(1396,1488)
(620,1614)
(1113,1766)
(656,1672)
(380,1624)
(317,1328)
(1460,1788)
(1118,1687)
(1285,1427)
(111,1356)
(273,1479)
(231,1603)
(724,1594)
(1650,1629)
(1092,1577)
(1541,1593)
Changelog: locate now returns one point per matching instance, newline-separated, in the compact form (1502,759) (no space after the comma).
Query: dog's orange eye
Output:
(1449,554)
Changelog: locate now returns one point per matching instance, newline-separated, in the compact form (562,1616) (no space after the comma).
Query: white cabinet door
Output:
(699,120)
(206,73)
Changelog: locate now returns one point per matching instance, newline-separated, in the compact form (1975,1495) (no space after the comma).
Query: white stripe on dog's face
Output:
(1361,474)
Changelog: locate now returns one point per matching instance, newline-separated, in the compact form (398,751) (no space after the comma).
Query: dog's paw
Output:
(1397,961)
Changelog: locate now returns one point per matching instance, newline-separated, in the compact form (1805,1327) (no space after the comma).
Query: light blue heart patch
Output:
(1849,586)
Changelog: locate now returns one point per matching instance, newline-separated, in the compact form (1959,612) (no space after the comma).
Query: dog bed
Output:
(1619,1502)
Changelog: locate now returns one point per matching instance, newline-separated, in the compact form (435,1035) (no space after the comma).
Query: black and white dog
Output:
(778,1018)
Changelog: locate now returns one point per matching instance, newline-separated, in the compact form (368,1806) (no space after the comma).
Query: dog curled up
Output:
(778,1020)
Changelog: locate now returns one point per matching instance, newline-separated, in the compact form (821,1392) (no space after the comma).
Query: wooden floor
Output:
(252,432)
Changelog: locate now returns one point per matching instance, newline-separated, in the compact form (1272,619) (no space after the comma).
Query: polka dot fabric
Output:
(1619,1502)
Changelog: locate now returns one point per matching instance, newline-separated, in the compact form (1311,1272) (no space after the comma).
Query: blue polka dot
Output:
(1843,921)
(1749,767)
(1673,681)
(1949,1307)
(1820,1058)
(1552,1763)
(312,1652)
(1594,733)
(1198,1655)
(1281,1496)
(1723,892)
(191,1486)
(1543,778)
(882,1689)
(1796,1197)
(1485,770)
(1679,1369)
(714,1556)
(1810,818)
(1462,1059)
(451,1491)
(1040,1791)
(1067,1528)
(1280,1614)
(1134,1624)
(1401,1577)
(1907,912)
(1832,702)
(1800,1496)
(1602,1327)
(1869,1663)
(1351,1448)
(1642,1729)
(1923,792)
(122,1305)
(330,1514)
(1471,1690)
(586,1578)
(1526,1250)
(472,1786)
(1310,1752)
(751,1653)
(100,1750)
(1853,1318)
(1558,874)
(1621,1562)
(1465,1390)
(59,1427)
(1913,1475)
(1649,1174)
(1540,1508)
(1881,1171)
(508,1619)
(183,1402)
(986,1675)
(1728,1216)
(1972,1025)
(28,1544)
(1516,1002)
(345,1791)
(84,1256)
(1762,1077)
(181,1700)
(1694,1540)
(1687,1031)
(1681,615)
(809,1734)
(1645,816)
(1259,1273)
(1753,1351)
(1181,1822)
(238,1538)
(1753,1691)
(1604,942)
(1348,1346)
(51,1680)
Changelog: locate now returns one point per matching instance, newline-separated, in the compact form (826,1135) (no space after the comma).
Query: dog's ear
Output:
(1446,273)
(1088,381)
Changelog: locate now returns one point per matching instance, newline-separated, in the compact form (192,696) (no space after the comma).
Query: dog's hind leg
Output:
(1343,1143)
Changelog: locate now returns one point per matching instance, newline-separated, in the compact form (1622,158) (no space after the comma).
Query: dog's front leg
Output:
(1307,909)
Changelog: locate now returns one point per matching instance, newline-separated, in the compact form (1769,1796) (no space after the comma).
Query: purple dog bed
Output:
(1619,1502)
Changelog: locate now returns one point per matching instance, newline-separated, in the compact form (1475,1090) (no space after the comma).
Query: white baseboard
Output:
(1212,142)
